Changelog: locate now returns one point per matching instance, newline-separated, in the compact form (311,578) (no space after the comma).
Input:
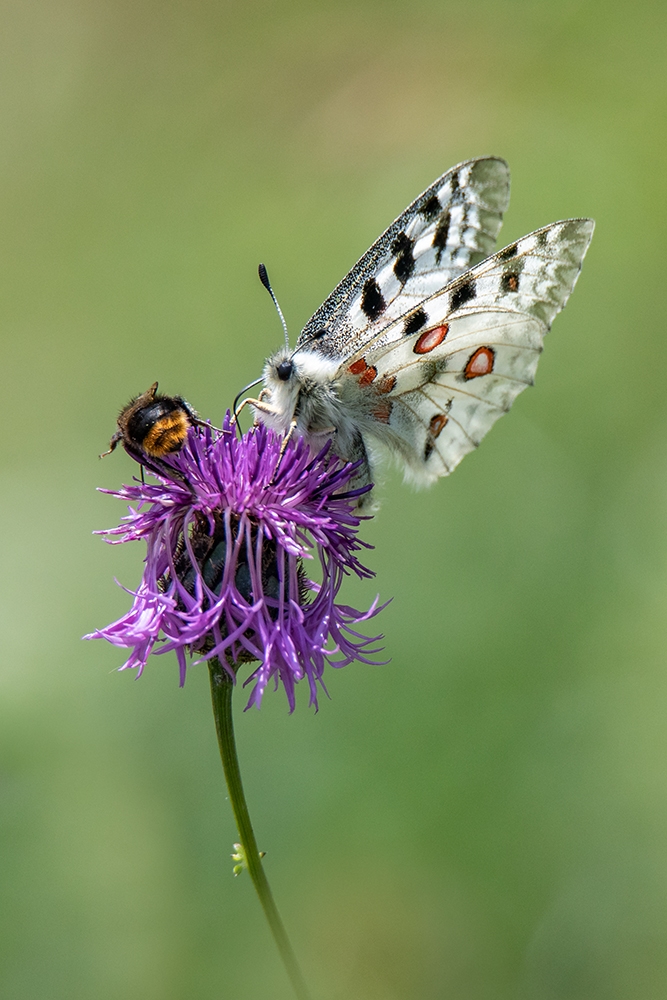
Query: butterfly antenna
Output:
(264,278)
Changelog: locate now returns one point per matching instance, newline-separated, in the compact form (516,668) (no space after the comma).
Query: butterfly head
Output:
(285,370)
(281,389)
(297,383)
(281,367)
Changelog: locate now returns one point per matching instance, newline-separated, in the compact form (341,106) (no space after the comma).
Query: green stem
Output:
(221,693)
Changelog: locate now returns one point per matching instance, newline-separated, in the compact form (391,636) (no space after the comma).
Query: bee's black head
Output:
(284,370)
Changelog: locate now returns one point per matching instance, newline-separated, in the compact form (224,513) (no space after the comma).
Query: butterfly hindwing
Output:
(448,228)
(439,377)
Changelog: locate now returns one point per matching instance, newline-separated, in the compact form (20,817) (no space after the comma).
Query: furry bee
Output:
(153,425)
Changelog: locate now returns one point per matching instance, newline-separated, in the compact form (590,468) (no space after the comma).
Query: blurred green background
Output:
(485,817)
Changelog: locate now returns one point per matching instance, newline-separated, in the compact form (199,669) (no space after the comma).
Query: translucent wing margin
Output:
(446,230)
(440,377)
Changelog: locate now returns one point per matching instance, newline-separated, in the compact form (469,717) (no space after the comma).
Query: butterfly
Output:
(430,337)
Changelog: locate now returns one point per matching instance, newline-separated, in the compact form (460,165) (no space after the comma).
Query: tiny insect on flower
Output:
(228,541)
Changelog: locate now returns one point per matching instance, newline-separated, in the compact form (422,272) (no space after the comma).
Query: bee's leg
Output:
(190,410)
(197,422)
(194,417)
(118,436)
(157,467)
(161,468)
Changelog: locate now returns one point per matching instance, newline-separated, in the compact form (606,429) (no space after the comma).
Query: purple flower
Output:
(225,575)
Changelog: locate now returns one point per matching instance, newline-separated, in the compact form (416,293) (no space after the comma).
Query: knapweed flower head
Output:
(229,539)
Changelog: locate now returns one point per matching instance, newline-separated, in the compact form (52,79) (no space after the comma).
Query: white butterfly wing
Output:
(449,227)
(435,381)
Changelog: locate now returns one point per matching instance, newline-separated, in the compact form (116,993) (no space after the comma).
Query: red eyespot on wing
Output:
(368,375)
(383,411)
(358,367)
(387,384)
(438,422)
(480,363)
(431,339)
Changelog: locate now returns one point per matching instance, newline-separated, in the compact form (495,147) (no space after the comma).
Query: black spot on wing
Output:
(455,183)
(440,235)
(510,281)
(415,321)
(542,238)
(508,252)
(428,371)
(322,332)
(464,293)
(428,448)
(372,301)
(431,208)
(404,264)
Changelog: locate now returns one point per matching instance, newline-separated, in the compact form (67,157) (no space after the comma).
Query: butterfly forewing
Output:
(446,371)
(428,340)
(448,228)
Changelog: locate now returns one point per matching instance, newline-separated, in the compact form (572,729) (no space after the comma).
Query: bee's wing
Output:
(447,229)
(435,381)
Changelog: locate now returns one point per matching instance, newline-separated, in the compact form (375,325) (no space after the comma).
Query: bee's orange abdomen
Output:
(167,434)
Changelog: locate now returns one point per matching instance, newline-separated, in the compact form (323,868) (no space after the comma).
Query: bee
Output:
(152,426)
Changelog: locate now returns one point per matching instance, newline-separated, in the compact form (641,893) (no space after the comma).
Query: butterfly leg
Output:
(258,404)
(283,446)
(292,428)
